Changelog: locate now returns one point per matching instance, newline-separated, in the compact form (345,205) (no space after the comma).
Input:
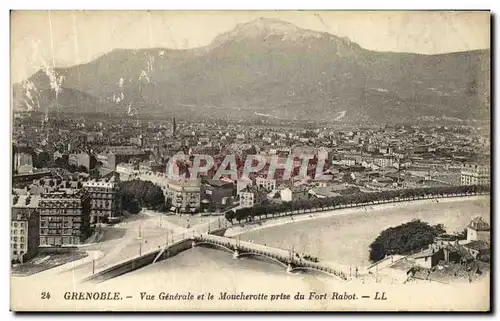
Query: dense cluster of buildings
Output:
(69,169)
(50,212)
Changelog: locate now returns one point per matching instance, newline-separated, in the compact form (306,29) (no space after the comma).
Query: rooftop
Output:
(218,183)
(479,224)
(425,253)
(109,184)
(478,245)
(21,201)
(63,193)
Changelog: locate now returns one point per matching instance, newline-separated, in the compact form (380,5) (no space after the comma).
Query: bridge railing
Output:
(276,253)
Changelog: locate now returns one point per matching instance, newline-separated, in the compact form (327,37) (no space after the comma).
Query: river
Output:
(341,238)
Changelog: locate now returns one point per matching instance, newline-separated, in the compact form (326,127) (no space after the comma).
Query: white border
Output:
(185,4)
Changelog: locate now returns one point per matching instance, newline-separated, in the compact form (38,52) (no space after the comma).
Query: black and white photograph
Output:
(243,161)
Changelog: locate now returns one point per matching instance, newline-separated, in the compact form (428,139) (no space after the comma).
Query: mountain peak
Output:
(267,25)
(264,28)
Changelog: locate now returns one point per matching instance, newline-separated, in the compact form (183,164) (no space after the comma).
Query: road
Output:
(137,235)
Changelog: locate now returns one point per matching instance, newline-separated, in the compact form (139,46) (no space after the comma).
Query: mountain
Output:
(270,68)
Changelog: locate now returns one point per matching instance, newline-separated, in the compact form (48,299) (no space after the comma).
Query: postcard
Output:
(250,161)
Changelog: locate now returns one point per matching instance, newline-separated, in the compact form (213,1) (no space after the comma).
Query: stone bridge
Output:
(292,262)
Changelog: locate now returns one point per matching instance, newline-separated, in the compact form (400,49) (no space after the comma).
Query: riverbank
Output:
(46,261)
(239,229)
(66,262)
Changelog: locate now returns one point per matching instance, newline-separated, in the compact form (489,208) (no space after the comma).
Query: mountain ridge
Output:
(271,67)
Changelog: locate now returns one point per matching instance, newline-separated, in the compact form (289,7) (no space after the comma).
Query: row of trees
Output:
(267,209)
(138,194)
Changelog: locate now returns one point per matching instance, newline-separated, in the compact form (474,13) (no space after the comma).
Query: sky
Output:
(63,38)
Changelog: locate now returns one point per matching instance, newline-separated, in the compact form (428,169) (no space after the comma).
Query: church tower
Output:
(174,127)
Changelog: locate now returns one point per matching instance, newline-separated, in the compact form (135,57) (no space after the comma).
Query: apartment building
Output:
(25,226)
(185,195)
(64,217)
(105,200)
(252,196)
(475,175)
(269,184)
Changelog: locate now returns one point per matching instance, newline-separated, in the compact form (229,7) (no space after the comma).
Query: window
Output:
(14,246)
(22,239)
(21,252)
(15,224)
(14,252)
(21,224)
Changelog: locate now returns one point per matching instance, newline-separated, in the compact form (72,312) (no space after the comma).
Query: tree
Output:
(41,160)
(404,239)
(462,235)
(143,193)
(230,215)
(439,229)
(153,196)
(132,206)
(163,208)
(242,213)
(168,203)
(255,211)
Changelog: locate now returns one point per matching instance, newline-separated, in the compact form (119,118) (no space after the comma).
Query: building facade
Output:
(478,230)
(475,175)
(218,192)
(295,193)
(126,171)
(269,184)
(105,200)
(384,161)
(64,217)
(184,195)
(79,159)
(252,196)
(23,163)
(113,155)
(25,227)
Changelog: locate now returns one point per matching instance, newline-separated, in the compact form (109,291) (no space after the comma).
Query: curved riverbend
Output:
(333,236)
(239,229)
(344,235)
